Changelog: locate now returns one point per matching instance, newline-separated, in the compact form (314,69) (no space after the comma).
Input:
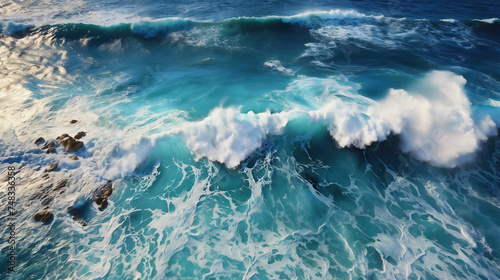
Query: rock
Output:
(39,140)
(48,200)
(103,204)
(98,200)
(69,143)
(34,196)
(50,144)
(77,146)
(73,157)
(80,135)
(60,184)
(78,209)
(101,197)
(73,121)
(107,190)
(44,215)
(78,219)
(50,147)
(60,138)
(52,166)
(42,191)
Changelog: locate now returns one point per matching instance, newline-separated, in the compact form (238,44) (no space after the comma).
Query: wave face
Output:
(246,142)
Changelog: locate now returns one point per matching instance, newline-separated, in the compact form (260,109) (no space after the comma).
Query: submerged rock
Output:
(60,185)
(73,157)
(52,166)
(73,121)
(44,216)
(48,200)
(78,209)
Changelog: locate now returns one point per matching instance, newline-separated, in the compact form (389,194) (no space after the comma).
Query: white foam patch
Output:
(435,123)
(348,125)
(311,16)
(325,15)
(277,66)
(488,20)
(494,103)
(228,136)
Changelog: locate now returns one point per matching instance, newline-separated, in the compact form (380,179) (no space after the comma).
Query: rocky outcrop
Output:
(51,184)
(48,191)
(45,216)
(69,143)
(102,195)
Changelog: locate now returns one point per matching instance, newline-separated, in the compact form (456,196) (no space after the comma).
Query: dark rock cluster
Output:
(49,147)
(101,196)
(47,192)
(70,144)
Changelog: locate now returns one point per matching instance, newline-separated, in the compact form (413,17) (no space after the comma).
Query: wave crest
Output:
(435,124)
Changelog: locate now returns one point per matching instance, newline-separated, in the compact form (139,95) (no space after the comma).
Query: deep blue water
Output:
(254,140)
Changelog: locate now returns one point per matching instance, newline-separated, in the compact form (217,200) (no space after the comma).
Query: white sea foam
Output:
(277,66)
(308,17)
(488,20)
(331,14)
(434,121)
(229,136)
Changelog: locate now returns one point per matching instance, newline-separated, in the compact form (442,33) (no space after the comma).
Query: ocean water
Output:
(254,140)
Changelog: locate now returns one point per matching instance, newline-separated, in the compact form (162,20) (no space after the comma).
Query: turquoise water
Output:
(275,141)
